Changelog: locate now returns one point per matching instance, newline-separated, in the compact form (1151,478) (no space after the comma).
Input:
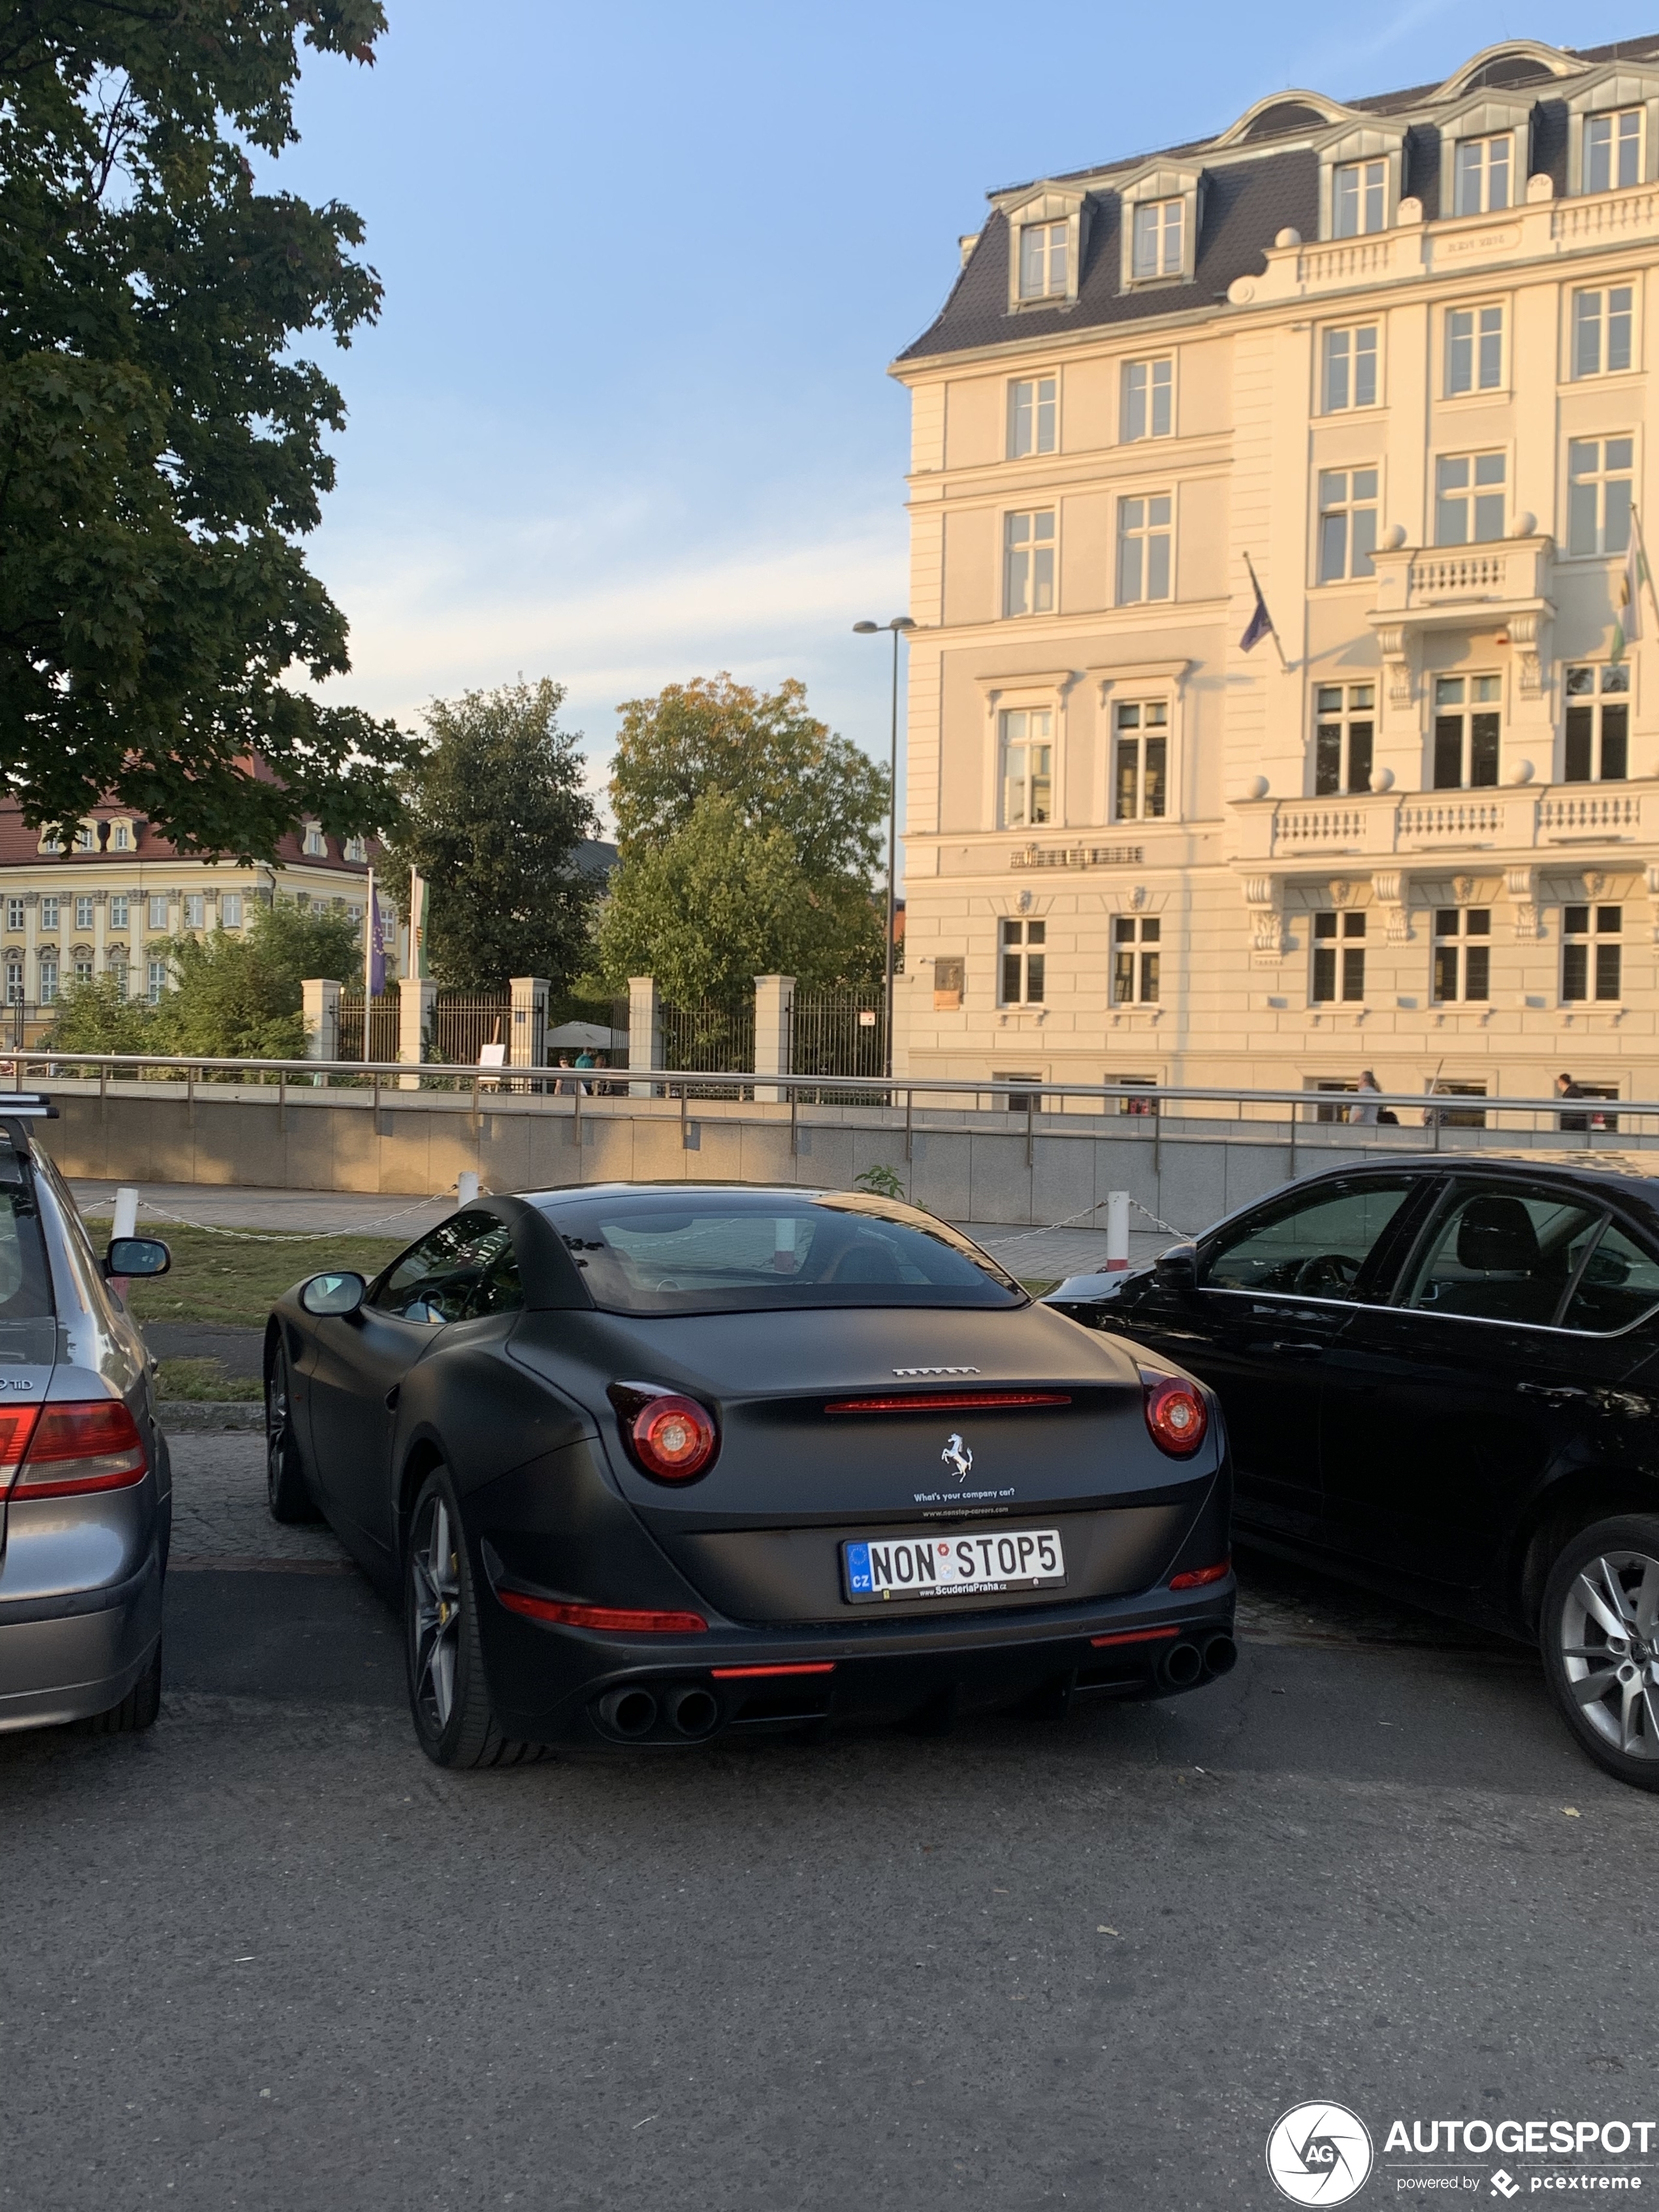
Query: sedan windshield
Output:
(656,1253)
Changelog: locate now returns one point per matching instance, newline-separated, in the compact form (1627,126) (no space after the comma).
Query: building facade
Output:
(1390,357)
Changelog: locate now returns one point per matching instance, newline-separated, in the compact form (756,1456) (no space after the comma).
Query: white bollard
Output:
(125,1223)
(1117,1231)
(466,1188)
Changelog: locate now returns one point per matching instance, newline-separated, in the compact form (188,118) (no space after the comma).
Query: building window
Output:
(1027,564)
(48,982)
(14,982)
(118,978)
(356,849)
(120,838)
(1148,399)
(83,914)
(1469,498)
(1482,173)
(1601,322)
(1467,714)
(13,914)
(1596,747)
(1586,931)
(1135,960)
(195,910)
(1598,482)
(86,838)
(158,981)
(1042,260)
(1350,369)
(1143,549)
(158,912)
(230,911)
(1033,411)
(1347,524)
(1612,150)
(1462,954)
(1359,198)
(1339,958)
(1474,350)
(49,913)
(1140,762)
(1023,958)
(82,971)
(1342,737)
(1159,235)
(1028,774)
(316,843)
(118,910)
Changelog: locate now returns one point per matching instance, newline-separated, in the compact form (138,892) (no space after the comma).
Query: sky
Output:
(624,418)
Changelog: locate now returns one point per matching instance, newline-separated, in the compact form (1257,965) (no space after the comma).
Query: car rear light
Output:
(1196,1578)
(945,1402)
(669,1436)
(1133,1635)
(1176,1415)
(620,1620)
(744,1674)
(67,1451)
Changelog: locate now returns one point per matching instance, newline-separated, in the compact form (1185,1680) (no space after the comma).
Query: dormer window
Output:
(1159,247)
(1484,152)
(1359,198)
(1483,167)
(356,849)
(316,844)
(1612,150)
(1044,260)
(1160,225)
(1361,166)
(1045,245)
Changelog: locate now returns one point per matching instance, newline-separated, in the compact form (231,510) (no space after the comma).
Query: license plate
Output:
(877,1569)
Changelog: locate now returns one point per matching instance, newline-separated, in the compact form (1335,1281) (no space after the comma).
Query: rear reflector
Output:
(1133,1635)
(619,1620)
(744,1674)
(945,1402)
(68,1451)
(1197,1576)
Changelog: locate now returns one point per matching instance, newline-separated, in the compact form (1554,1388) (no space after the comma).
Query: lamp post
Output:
(898,626)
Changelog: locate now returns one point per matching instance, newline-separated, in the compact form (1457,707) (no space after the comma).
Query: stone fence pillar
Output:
(321,999)
(526,1032)
(416,1000)
(644,1030)
(774,1002)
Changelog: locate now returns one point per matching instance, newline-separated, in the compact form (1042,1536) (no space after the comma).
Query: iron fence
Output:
(381,1016)
(709,1037)
(837,1033)
(465,1022)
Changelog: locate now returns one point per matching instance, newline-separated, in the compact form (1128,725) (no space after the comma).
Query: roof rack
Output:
(25,1106)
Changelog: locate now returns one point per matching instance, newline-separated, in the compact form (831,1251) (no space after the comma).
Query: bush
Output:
(96,1017)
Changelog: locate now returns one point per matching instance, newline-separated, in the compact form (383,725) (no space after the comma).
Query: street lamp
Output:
(899,624)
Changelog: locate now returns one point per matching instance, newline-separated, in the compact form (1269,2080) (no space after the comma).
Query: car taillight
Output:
(1195,1578)
(669,1436)
(65,1451)
(1176,1415)
(618,1621)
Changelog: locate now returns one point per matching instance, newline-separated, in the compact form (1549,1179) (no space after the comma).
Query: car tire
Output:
(448,1693)
(1599,1632)
(138,1709)
(286,1493)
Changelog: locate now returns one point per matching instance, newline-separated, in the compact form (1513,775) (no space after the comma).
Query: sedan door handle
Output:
(1557,1392)
(1298,1348)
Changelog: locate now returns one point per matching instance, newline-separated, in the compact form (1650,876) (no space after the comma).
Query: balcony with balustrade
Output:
(1289,834)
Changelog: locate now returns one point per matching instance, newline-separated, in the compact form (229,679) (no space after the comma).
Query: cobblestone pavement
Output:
(219,1514)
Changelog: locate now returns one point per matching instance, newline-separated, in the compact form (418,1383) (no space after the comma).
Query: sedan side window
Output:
(464,1268)
(1313,1246)
(1503,1255)
(1620,1284)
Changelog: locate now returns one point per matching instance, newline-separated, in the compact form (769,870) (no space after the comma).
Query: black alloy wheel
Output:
(286,1493)
(1599,1630)
(448,1695)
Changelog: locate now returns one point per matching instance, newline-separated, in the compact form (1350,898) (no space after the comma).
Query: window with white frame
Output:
(1359,198)
(1474,350)
(1144,568)
(356,849)
(1592,960)
(1345,729)
(13,914)
(1600,478)
(49,982)
(1159,237)
(1612,150)
(83,968)
(1043,254)
(156,976)
(120,838)
(1148,409)
(1602,320)
(49,913)
(1347,524)
(117,971)
(1481,173)
(158,912)
(1023,961)
(1028,767)
(1470,498)
(1468,715)
(1595,740)
(230,911)
(1338,971)
(83,909)
(1462,954)
(316,843)
(1136,955)
(119,907)
(86,838)
(15,990)
(1028,563)
(195,910)
(1033,416)
(1348,374)
(1140,760)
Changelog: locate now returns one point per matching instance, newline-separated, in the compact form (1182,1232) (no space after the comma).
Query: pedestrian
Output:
(564,1086)
(1362,1114)
(584,1059)
(1566,1088)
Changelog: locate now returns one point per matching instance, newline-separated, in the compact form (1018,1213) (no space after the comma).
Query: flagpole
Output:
(369,971)
(1643,572)
(1255,586)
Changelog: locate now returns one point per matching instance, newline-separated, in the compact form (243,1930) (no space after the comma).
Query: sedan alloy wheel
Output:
(1601,1629)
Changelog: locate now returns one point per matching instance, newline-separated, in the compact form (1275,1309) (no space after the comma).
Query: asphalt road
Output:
(267,1956)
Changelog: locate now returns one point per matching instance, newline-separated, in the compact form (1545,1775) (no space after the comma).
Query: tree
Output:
(495,815)
(725,900)
(779,765)
(161,446)
(93,1017)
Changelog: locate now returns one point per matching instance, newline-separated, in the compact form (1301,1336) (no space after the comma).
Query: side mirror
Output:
(333,1294)
(1177,1268)
(136,1255)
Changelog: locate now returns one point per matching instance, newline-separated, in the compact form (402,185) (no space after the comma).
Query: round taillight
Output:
(673,1439)
(1176,1415)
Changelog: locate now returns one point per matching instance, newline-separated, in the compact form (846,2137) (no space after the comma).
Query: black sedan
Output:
(1441,1380)
(652,1464)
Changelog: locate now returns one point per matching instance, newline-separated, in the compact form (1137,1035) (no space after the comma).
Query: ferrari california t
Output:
(648,1463)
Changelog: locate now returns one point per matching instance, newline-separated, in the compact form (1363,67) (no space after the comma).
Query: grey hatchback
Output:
(86,1491)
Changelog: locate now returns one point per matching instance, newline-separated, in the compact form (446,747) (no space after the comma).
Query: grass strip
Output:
(219,1278)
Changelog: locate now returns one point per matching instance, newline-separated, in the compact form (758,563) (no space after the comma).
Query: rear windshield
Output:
(651,1254)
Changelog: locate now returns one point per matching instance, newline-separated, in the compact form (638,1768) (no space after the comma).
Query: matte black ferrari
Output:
(649,1463)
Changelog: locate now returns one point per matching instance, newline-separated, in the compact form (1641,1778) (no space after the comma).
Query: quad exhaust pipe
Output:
(681,1709)
(1184,1664)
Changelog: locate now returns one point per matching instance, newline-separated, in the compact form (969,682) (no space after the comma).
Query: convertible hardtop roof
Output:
(573,1191)
(1640,1169)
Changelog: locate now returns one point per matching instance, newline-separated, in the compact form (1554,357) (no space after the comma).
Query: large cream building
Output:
(1394,353)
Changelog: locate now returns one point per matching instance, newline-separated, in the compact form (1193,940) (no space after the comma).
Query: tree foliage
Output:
(494,817)
(160,446)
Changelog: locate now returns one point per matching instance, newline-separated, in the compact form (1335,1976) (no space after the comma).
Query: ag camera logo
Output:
(1319,2154)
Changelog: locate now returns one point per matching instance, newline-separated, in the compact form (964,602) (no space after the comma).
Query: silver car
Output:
(85,1489)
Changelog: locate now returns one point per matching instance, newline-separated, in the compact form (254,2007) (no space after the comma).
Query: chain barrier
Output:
(289,1236)
(1007,1243)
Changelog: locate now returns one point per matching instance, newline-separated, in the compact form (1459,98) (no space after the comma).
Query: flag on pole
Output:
(1260,624)
(374,943)
(418,894)
(1627,625)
